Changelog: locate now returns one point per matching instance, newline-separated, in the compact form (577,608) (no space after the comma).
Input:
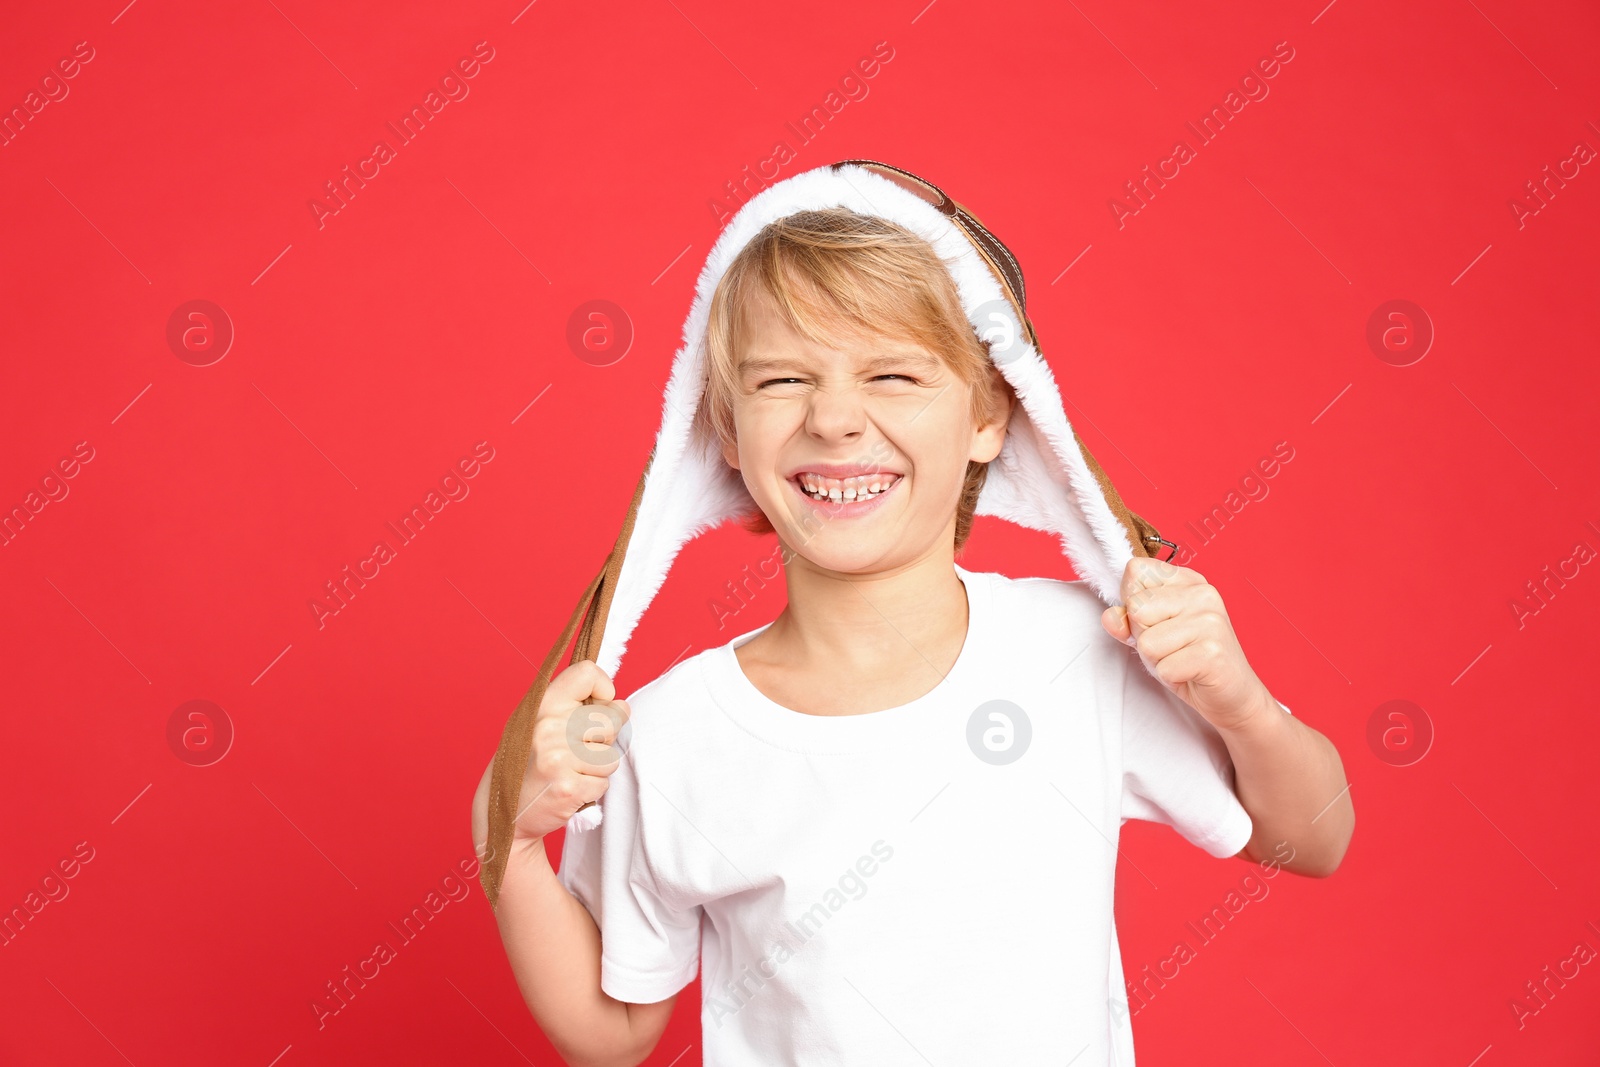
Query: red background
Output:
(372,352)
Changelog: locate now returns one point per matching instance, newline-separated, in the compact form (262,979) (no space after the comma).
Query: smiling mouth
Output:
(845,490)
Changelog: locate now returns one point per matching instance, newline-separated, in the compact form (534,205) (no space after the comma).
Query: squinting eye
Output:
(782,381)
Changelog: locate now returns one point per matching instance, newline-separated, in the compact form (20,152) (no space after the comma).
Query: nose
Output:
(835,414)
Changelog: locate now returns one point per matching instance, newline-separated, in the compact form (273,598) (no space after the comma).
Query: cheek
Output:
(758,443)
(764,428)
(941,466)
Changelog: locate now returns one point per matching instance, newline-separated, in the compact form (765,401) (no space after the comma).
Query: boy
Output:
(884,824)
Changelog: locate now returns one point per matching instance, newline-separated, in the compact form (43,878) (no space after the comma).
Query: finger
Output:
(1148,573)
(1168,637)
(568,794)
(579,682)
(587,788)
(1183,666)
(593,738)
(1115,621)
(601,763)
(597,723)
(1150,606)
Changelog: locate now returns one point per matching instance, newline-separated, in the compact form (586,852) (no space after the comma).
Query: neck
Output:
(915,612)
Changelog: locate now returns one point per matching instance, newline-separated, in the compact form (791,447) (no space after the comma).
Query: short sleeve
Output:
(649,944)
(1176,768)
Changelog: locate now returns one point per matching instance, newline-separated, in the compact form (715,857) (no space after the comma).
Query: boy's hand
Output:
(574,751)
(1180,627)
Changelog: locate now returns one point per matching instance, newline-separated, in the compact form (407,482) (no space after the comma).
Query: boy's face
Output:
(888,410)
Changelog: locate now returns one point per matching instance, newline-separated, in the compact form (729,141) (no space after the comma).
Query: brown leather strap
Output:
(516,742)
(1142,535)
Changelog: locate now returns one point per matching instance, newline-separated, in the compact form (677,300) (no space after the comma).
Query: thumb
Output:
(1115,620)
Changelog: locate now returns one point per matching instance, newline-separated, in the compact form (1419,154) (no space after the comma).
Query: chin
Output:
(846,552)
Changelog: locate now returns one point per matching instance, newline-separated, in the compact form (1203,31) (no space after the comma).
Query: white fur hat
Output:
(1043,478)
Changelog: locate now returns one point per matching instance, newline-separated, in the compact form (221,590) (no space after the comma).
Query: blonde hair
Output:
(833,274)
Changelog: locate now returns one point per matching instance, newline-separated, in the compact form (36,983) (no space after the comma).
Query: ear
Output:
(730,453)
(987,441)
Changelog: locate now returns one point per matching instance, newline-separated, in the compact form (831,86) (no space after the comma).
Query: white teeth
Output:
(859,490)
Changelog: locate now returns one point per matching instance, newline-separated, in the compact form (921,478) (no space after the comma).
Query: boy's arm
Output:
(553,944)
(1289,777)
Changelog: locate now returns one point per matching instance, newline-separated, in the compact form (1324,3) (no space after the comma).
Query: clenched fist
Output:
(574,753)
(1176,621)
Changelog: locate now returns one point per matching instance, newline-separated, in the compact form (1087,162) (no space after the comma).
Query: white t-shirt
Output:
(931,882)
